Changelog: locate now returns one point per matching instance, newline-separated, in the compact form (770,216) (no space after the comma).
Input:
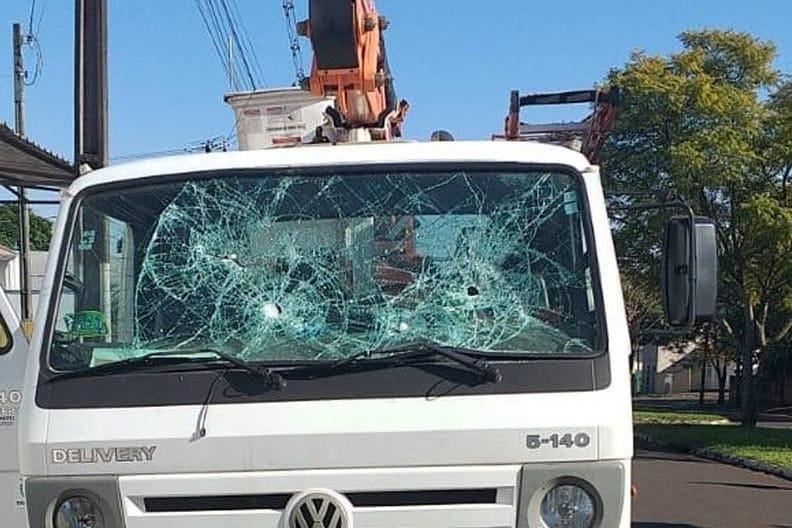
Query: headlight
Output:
(569,505)
(79,512)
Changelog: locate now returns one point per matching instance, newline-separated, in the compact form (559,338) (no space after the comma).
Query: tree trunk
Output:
(749,408)
(702,379)
(736,396)
(635,347)
(722,374)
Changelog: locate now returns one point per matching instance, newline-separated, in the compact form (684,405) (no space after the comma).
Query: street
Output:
(680,491)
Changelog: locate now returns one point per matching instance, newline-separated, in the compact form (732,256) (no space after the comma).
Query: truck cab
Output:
(368,335)
(13,357)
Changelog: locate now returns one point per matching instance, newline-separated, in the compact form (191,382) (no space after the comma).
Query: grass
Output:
(648,416)
(688,431)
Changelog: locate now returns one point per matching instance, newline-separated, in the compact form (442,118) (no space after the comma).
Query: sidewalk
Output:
(779,418)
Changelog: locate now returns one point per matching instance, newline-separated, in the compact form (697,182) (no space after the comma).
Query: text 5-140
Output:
(558,440)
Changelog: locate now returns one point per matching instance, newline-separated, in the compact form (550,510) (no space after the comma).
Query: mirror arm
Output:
(668,201)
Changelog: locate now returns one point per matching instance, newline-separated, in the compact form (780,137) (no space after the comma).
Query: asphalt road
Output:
(680,491)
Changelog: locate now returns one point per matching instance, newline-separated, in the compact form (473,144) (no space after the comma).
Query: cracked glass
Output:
(288,266)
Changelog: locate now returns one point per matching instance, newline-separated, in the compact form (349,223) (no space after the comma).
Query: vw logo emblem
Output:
(318,509)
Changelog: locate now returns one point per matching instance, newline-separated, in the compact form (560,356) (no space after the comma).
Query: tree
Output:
(40,229)
(716,350)
(695,122)
(642,307)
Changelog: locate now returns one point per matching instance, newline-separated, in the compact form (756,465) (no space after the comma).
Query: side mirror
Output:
(690,271)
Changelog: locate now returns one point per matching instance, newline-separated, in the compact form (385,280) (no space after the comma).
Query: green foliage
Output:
(699,122)
(40,229)
(682,125)
(735,58)
(778,146)
(766,253)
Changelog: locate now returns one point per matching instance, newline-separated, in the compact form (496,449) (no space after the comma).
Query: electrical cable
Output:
(31,40)
(236,40)
(32,12)
(34,44)
(223,43)
(40,19)
(247,41)
(214,144)
(205,17)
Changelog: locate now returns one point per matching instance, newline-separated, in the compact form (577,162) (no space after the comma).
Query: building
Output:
(25,164)
(673,370)
(777,382)
(778,392)
(22,162)
(10,276)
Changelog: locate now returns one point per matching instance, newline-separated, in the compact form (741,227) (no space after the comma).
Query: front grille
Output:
(374,499)
(216,503)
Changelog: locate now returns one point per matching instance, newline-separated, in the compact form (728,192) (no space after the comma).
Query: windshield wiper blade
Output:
(275,380)
(414,351)
(175,358)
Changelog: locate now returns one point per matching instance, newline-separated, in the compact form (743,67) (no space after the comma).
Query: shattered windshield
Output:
(284,267)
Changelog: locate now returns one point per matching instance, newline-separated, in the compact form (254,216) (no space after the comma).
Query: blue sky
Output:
(455,61)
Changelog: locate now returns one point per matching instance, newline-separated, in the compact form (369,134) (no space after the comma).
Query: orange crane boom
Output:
(350,63)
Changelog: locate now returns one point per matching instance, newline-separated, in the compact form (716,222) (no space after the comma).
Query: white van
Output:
(392,335)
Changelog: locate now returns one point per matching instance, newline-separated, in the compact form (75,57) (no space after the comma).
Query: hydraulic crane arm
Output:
(351,64)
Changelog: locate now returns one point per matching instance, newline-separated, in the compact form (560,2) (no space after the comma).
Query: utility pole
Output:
(23,212)
(19,82)
(90,84)
(90,139)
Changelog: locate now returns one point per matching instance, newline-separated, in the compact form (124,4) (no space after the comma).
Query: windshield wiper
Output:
(407,354)
(176,357)
(274,379)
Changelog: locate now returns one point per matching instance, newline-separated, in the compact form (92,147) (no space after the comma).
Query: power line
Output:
(33,42)
(221,35)
(213,144)
(143,155)
(235,36)
(205,17)
(33,30)
(232,44)
(246,40)
(40,19)
(32,12)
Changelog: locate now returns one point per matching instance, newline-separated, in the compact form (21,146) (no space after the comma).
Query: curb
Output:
(646,441)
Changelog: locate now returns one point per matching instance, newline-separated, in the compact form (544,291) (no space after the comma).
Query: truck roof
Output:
(338,155)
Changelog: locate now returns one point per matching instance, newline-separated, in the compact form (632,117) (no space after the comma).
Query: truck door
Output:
(13,356)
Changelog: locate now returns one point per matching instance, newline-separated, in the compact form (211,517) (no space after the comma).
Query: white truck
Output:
(366,335)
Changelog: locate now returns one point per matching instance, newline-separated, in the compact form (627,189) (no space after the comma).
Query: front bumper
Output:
(425,497)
